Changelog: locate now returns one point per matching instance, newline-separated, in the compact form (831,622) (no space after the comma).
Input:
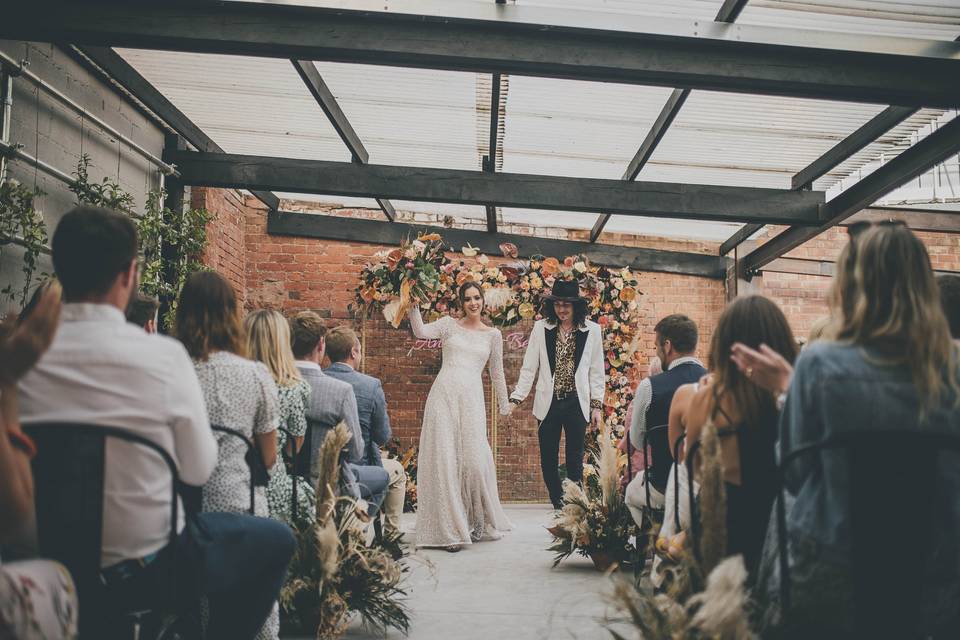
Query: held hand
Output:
(764,367)
(595,416)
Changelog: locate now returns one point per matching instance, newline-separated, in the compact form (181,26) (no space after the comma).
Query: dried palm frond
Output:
(721,610)
(328,460)
(713,501)
(609,467)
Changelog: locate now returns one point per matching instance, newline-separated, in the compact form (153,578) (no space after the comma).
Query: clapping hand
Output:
(29,338)
(764,367)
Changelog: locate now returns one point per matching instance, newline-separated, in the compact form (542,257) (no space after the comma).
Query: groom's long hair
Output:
(579,312)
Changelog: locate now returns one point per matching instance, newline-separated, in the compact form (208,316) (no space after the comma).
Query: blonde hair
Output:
(268,340)
(885,296)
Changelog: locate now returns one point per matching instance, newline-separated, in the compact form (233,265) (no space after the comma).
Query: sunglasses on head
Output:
(858,228)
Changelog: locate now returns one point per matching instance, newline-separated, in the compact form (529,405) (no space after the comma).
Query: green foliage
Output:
(171,242)
(20,222)
(106,193)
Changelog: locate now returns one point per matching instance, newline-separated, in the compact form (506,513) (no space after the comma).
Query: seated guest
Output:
(332,401)
(636,458)
(343,349)
(37,597)
(676,339)
(268,341)
(101,370)
(950,300)
(239,394)
(143,311)
(891,366)
(730,401)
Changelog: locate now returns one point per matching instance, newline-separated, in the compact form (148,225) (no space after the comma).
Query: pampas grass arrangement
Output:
(594,521)
(333,573)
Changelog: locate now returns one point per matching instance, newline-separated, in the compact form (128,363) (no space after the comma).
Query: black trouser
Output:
(564,415)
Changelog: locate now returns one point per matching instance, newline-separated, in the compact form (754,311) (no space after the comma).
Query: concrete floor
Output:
(503,590)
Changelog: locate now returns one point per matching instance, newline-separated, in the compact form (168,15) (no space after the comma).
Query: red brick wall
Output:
(292,274)
(226,251)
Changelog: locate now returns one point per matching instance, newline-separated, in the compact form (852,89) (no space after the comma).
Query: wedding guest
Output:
(268,341)
(37,597)
(676,341)
(238,393)
(730,401)
(101,370)
(636,457)
(950,299)
(143,311)
(344,350)
(891,367)
(332,402)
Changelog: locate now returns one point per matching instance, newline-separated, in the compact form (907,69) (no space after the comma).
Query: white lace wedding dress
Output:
(457,499)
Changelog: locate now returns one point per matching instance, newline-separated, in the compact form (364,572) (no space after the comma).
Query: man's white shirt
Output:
(104,371)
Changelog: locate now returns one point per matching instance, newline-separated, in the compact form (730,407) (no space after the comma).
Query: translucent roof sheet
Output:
(440,119)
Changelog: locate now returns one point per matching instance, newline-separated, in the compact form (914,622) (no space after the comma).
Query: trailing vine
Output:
(22,224)
(171,242)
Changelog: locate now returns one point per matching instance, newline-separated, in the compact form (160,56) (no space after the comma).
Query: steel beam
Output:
(487,38)
(141,89)
(917,219)
(325,98)
(490,164)
(912,162)
(869,132)
(391,234)
(728,13)
(655,199)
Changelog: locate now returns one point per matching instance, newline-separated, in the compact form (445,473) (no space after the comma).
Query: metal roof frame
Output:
(496,39)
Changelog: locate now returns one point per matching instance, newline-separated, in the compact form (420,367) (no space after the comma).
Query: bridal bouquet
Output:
(404,276)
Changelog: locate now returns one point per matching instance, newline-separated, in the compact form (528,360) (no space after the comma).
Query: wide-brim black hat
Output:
(565,291)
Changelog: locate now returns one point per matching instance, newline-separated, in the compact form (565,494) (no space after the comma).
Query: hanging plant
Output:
(21,224)
(171,242)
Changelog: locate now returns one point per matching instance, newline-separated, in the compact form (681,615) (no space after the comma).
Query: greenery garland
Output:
(21,223)
(183,233)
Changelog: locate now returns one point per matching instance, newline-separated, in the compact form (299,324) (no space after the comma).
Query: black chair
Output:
(676,482)
(290,461)
(68,474)
(692,450)
(251,450)
(886,471)
(654,513)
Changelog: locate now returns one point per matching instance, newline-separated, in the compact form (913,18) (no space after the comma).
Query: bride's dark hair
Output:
(466,286)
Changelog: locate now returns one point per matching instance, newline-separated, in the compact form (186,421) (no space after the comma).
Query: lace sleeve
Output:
(433,331)
(495,367)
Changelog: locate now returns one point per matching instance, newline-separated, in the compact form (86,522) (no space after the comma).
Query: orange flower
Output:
(463,276)
(509,250)
(550,266)
(430,237)
(394,258)
(367,294)
(628,293)
(568,262)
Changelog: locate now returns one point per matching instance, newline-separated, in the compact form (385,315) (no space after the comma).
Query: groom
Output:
(567,350)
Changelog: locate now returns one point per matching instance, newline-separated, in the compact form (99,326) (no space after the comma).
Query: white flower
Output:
(483,259)
(418,245)
(579,266)
(497,297)
(390,310)
(469,251)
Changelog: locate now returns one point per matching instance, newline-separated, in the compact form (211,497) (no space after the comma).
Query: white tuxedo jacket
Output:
(538,363)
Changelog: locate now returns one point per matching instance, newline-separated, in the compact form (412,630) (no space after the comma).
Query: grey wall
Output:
(58,135)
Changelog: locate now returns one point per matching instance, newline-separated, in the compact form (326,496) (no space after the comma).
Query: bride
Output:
(458,503)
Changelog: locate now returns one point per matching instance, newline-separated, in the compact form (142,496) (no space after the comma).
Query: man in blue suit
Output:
(343,349)
(331,402)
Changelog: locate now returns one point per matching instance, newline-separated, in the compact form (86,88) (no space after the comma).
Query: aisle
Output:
(504,589)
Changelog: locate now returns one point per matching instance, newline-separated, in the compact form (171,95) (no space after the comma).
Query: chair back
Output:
(290,461)
(68,475)
(894,497)
(652,432)
(676,481)
(250,448)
